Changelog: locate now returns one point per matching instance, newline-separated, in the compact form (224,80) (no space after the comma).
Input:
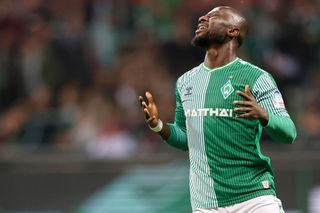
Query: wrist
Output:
(158,127)
(265,119)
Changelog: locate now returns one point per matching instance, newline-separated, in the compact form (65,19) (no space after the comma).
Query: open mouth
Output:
(201,27)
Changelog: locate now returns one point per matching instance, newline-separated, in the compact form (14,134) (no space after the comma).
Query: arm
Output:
(267,106)
(178,136)
(281,128)
(174,134)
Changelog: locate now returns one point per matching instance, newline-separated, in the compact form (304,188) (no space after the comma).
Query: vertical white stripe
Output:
(201,182)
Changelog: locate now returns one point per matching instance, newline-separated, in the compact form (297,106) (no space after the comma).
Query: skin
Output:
(220,32)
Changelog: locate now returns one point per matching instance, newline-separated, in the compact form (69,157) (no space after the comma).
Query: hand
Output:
(249,108)
(149,110)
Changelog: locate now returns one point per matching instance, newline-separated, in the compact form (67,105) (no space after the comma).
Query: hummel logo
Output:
(188,91)
(182,101)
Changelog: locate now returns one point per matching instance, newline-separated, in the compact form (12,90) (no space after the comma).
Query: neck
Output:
(220,56)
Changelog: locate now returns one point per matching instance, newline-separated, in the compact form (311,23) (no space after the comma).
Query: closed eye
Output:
(210,15)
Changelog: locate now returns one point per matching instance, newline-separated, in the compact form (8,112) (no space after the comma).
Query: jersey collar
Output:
(218,68)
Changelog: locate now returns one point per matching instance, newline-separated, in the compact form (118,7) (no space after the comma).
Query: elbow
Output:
(293,137)
(289,140)
(293,134)
(282,130)
(290,137)
(285,137)
(290,133)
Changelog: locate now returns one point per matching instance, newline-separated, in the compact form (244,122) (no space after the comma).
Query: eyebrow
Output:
(210,14)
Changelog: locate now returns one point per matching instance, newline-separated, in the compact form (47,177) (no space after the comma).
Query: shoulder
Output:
(256,73)
(254,69)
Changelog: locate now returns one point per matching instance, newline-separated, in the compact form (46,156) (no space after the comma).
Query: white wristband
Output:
(157,128)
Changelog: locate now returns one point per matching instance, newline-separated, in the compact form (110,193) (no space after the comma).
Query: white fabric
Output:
(157,128)
(263,204)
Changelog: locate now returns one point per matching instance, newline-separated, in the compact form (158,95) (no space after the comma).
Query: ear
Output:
(233,32)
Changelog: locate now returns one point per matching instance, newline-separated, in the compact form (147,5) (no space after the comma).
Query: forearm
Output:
(165,132)
(175,136)
(281,129)
(172,134)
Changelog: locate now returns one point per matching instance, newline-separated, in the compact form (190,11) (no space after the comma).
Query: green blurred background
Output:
(72,136)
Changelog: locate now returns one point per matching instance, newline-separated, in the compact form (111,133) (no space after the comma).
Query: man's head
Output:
(219,26)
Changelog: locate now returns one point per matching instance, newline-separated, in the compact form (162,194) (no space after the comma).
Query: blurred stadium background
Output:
(72,137)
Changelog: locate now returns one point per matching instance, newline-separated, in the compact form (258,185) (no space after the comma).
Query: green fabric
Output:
(232,144)
(226,164)
(178,136)
(281,129)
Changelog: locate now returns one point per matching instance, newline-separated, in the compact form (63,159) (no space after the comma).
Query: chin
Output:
(201,40)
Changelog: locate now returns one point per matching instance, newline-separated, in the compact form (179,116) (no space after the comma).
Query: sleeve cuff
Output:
(172,136)
(270,120)
(177,137)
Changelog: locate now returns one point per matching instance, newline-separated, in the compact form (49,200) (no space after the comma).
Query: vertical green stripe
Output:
(231,145)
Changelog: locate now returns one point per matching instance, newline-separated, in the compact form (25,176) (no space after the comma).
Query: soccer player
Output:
(222,106)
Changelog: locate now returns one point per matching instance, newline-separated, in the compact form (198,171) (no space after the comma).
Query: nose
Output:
(203,18)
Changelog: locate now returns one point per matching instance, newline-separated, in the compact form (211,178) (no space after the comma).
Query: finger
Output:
(244,103)
(149,120)
(248,92)
(247,89)
(144,105)
(149,97)
(244,115)
(141,99)
(245,95)
(146,113)
(243,109)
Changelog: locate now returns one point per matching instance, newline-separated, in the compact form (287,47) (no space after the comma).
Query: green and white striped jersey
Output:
(226,165)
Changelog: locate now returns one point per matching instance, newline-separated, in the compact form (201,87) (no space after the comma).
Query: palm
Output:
(150,110)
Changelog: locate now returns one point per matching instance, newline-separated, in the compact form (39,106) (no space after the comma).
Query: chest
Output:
(212,91)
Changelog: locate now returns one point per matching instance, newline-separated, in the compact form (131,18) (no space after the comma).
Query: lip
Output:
(201,27)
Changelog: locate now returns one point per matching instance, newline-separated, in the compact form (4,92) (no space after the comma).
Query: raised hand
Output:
(149,110)
(249,108)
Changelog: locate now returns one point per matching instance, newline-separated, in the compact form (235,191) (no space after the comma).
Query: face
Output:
(213,27)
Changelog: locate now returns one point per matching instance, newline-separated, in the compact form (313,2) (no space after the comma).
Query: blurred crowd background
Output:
(72,134)
(71,71)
